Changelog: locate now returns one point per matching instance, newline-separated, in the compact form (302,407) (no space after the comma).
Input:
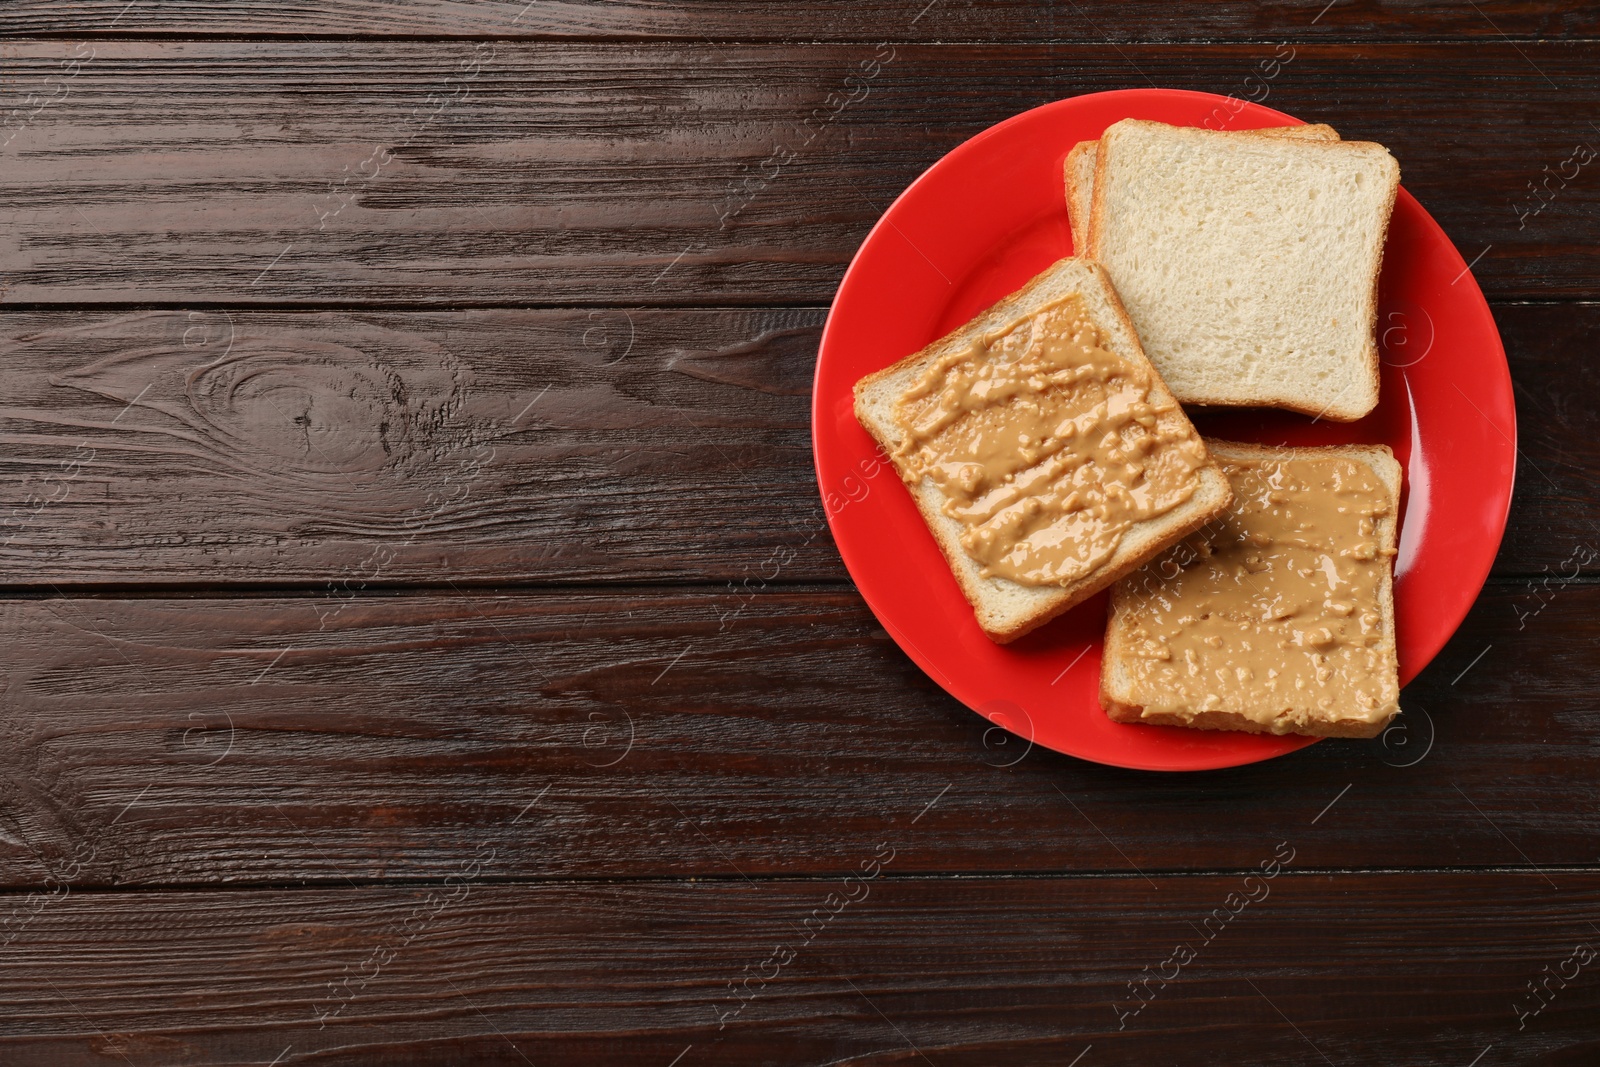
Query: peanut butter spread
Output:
(1046,445)
(1272,613)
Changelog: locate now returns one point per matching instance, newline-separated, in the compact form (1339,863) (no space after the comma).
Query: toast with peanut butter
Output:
(1080,171)
(1277,618)
(1043,450)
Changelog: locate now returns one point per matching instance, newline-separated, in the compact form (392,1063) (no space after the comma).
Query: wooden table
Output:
(422,640)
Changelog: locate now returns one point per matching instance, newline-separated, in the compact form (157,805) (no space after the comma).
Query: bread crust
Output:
(1211,498)
(1383,463)
(1075,217)
(1079,219)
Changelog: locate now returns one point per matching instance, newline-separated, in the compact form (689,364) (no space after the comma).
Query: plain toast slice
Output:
(1249,265)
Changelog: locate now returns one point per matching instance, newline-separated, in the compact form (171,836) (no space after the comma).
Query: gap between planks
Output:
(820,877)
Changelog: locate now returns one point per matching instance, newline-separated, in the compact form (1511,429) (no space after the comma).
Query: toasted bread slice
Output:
(1185,580)
(1248,264)
(1079,177)
(1006,609)
(1080,172)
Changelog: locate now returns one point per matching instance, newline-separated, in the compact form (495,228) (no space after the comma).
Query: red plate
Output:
(991,215)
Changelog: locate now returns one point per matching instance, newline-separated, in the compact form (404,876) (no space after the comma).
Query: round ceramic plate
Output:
(991,215)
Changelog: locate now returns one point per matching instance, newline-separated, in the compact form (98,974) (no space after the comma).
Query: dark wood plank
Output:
(360,449)
(1364,970)
(361,172)
(551,446)
(813,20)
(178,741)
(1552,526)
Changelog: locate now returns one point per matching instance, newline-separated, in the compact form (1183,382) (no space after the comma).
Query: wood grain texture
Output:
(813,20)
(669,734)
(976,973)
(205,447)
(506,294)
(491,173)
(380,448)
(1553,522)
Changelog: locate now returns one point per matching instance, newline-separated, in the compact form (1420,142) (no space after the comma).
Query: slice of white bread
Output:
(1081,161)
(1248,264)
(1005,609)
(1123,696)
